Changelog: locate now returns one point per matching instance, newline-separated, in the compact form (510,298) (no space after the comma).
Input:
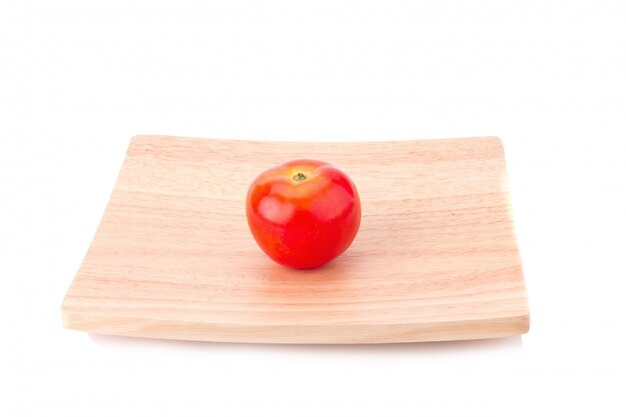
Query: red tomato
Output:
(303,213)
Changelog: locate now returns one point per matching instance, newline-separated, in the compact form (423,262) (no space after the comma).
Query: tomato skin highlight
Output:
(303,213)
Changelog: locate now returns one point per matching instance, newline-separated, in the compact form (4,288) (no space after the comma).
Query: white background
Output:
(78,79)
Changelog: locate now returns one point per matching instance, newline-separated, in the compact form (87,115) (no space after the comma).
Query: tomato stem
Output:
(299,177)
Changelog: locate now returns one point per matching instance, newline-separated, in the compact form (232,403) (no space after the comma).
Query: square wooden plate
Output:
(435,258)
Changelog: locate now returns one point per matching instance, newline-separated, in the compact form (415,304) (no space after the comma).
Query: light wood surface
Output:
(435,258)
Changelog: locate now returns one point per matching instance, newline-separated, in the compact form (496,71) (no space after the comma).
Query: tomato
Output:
(303,213)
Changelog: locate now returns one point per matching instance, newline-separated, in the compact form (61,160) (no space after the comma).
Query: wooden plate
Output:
(435,258)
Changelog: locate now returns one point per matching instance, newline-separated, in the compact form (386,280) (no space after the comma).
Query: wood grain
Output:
(435,258)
